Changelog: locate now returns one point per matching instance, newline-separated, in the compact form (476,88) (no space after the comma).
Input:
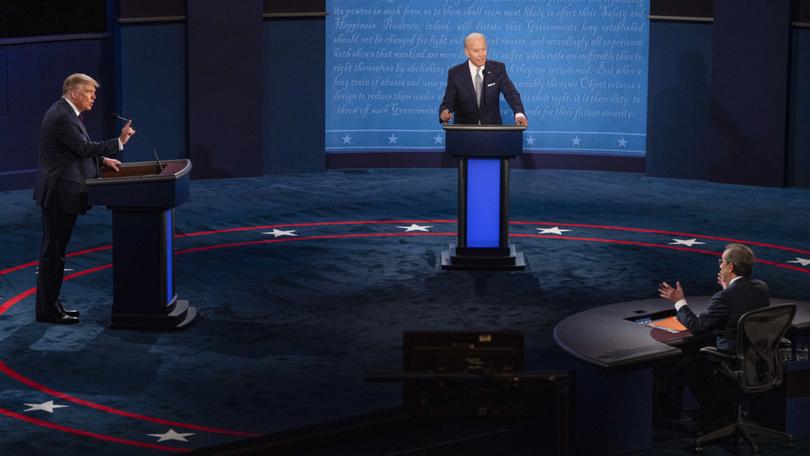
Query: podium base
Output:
(178,315)
(451,260)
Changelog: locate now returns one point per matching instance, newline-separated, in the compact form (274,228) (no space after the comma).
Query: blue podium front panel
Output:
(483,202)
(169,252)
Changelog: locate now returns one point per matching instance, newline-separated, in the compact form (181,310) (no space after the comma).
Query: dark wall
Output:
(224,69)
(34,73)
(678,100)
(294,95)
(152,88)
(748,127)
(799,135)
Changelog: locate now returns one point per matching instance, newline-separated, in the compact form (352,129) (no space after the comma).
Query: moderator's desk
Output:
(614,380)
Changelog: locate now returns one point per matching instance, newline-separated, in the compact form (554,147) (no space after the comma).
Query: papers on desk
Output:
(669,324)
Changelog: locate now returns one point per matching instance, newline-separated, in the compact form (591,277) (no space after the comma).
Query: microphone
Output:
(158,164)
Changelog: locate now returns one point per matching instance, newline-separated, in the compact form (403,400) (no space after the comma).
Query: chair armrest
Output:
(713,352)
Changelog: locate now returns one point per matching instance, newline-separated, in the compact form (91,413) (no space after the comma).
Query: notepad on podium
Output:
(668,324)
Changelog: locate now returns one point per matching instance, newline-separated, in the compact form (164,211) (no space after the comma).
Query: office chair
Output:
(757,366)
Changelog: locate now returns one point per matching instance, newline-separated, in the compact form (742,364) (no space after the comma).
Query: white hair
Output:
(474,36)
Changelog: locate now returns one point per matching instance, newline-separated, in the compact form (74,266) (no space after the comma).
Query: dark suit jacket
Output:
(66,158)
(459,96)
(725,310)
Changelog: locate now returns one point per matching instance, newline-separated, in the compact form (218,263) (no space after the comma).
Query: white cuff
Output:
(519,115)
(679,304)
(120,145)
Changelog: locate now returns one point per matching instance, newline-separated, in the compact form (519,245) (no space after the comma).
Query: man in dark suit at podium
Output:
(473,88)
(67,157)
(740,294)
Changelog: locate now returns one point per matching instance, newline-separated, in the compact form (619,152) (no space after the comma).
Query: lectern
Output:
(483,153)
(142,197)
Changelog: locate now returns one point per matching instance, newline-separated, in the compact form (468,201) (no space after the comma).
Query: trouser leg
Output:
(57,227)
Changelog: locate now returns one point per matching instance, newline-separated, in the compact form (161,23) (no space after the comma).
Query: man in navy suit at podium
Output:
(67,157)
(474,87)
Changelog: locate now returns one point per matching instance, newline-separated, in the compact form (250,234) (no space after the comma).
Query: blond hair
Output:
(75,80)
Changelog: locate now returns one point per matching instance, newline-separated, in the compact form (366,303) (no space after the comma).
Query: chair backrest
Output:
(759,333)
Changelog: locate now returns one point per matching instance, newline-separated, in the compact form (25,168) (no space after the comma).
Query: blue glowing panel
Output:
(483,203)
(169,256)
(580,67)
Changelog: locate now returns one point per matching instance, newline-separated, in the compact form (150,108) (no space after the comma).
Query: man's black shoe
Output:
(58,319)
(70,312)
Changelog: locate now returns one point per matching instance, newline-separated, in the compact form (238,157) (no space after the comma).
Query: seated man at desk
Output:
(739,295)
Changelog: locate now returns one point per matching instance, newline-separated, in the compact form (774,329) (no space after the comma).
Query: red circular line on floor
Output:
(672,233)
(4,368)
(93,435)
(308,238)
(305,224)
(390,222)
(72,254)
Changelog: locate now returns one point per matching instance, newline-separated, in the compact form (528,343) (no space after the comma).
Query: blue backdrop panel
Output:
(749,105)
(799,146)
(293,95)
(153,89)
(581,68)
(224,70)
(3,84)
(34,74)
(678,109)
(483,202)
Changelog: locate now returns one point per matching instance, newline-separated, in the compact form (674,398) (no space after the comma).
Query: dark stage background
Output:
(713,112)
(299,261)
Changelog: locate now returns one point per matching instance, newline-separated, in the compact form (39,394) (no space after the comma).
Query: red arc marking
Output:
(4,368)
(16,299)
(92,435)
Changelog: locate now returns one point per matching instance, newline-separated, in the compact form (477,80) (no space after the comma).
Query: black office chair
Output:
(756,367)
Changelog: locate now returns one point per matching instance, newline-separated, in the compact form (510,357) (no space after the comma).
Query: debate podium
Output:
(483,153)
(142,197)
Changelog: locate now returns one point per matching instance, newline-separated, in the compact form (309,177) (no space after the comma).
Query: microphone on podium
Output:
(154,151)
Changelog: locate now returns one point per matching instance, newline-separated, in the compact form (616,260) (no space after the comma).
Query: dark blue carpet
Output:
(288,325)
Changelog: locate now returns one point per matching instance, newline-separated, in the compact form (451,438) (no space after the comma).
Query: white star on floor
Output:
(438,139)
(347,139)
(530,141)
(277,233)
(686,242)
(392,139)
(415,227)
(555,230)
(45,407)
(172,435)
(622,142)
(801,261)
(575,141)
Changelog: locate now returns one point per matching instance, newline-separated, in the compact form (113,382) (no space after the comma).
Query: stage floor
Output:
(306,281)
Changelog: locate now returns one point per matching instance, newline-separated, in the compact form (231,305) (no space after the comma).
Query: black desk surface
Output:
(608,337)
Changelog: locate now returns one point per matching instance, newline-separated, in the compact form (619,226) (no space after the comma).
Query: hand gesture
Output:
(446,115)
(126,133)
(111,163)
(672,295)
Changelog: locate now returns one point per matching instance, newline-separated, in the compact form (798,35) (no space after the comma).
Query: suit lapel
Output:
(468,83)
(84,130)
(75,119)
